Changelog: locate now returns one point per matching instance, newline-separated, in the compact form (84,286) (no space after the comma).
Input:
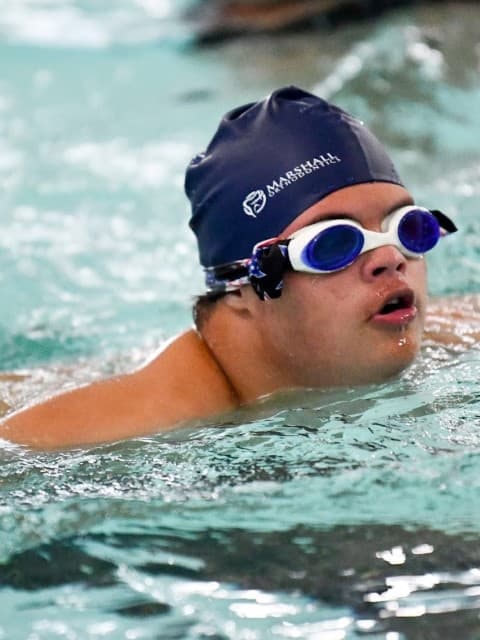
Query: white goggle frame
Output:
(372,239)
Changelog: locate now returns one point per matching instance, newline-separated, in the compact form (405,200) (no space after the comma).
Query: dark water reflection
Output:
(421,583)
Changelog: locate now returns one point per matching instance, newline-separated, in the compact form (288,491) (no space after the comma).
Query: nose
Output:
(383,261)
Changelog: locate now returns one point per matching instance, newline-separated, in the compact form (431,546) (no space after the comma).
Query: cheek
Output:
(418,279)
(310,306)
(422,275)
(323,293)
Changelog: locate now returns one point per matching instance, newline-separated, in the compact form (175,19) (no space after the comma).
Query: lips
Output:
(397,308)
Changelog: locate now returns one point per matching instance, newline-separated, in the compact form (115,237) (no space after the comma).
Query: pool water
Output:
(325,515)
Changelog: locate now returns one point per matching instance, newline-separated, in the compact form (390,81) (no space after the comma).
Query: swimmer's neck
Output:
(238,355)
(190,361)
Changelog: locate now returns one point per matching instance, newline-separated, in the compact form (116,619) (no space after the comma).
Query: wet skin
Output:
(324,331)
(327,330)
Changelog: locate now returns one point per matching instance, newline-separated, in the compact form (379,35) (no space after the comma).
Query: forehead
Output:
(367,203)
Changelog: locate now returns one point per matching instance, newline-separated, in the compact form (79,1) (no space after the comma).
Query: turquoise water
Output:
(328,516)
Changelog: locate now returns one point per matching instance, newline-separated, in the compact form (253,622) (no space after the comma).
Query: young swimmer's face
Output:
(334,329)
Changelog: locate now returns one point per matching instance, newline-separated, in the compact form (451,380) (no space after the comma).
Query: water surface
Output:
(328,516)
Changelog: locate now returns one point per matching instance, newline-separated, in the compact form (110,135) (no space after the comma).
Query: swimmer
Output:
(312,249)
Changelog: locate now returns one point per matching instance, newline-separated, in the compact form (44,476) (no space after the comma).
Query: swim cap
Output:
(271,160)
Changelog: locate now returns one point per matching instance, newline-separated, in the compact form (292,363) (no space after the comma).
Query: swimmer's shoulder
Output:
(186,370)
(182,383)
(454,320)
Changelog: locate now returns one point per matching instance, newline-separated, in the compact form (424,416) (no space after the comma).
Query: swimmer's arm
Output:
(182,383)
(454,321)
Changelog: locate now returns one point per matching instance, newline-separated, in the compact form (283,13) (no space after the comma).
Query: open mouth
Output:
(397,303)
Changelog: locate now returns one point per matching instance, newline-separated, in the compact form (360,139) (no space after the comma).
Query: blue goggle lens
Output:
(334,248)
(418,231)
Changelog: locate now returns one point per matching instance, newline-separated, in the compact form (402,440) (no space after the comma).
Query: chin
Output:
(394,365)
(398,354)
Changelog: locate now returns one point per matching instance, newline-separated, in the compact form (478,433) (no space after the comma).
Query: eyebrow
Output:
(404,202)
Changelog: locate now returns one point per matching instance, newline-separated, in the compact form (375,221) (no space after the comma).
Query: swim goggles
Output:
(328,246)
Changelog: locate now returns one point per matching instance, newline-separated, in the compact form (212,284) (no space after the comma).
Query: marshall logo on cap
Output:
(254,203)
(290,150)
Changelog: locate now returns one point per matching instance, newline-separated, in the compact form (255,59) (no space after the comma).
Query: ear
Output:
(241,301)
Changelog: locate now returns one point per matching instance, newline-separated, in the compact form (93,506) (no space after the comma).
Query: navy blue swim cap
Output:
(271,160)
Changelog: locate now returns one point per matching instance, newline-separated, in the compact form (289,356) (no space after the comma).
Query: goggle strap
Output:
(444,221)
(227,277)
